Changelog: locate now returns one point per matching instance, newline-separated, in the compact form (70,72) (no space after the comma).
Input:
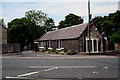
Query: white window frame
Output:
(92,38)
(59,44)
(50,45)
(42,45)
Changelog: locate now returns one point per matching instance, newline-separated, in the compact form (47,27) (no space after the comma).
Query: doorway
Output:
(93,45)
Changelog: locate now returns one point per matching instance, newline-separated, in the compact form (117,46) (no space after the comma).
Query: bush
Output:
(35,50)
(50,51)
(118,52)
(71,52)
(43,50)
(57,52)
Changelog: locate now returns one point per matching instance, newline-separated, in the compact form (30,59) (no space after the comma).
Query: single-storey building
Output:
(75,37)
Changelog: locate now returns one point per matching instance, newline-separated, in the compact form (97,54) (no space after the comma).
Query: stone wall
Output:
(11,48)
(71,44)
(117,47)
(0,39)
(4,35)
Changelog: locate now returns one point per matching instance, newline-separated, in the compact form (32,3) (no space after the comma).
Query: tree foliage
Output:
(70,20)
(2,22)
(23,31)
(49,24)
(110,25)
(29,28)
(36,16)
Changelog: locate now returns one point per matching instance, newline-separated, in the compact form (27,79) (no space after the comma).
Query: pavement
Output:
(34,65)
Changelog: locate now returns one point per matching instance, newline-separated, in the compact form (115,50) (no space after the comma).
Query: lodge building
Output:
(75,37)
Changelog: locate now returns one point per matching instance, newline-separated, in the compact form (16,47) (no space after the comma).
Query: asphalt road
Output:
(37,65)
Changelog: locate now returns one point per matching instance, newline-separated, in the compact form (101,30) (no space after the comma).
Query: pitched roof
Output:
(65,33)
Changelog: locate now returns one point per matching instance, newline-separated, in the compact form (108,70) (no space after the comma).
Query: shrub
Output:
(71,52)
(35,50)
(62,53)
(43,50)
(57,52)
(118,52)
(50,51)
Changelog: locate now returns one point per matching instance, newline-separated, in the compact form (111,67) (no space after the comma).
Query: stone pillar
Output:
(101,45)
(86,45)
(106,43)
(97,44)
(92,45)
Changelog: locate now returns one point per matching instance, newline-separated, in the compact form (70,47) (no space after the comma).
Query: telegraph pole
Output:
(89,43)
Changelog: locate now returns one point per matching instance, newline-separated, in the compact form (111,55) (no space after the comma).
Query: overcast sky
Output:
(57,10)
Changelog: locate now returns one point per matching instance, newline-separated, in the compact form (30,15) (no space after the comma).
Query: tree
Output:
(23,31)
(110,25)
(2,22)
(26,29)
(70,20)
(38,17)
(49,24)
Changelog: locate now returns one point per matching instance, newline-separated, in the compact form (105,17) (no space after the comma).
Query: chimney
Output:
(80,20)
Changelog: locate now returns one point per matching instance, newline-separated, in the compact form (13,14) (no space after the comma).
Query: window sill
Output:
(49,48)
(60,49)
(41,47)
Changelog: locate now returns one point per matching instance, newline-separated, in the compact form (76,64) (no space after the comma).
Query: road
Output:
(39,65)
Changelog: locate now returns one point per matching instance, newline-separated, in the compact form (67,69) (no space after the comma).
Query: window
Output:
(95,45)
(89,44)
(59,43)
(41,44)
(50,44)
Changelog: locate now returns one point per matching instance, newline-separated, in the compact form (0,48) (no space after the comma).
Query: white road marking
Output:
(31,73)
(62,66)
(11,77)
(51,69)
(95,72)
(27,74)
(15,77)
(106,67)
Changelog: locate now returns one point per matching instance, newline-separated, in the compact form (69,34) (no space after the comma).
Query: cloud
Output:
(56,10)
(59,0)
(0,10)
(103,8)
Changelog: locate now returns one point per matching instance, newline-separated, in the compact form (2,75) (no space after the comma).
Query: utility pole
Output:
(89,15)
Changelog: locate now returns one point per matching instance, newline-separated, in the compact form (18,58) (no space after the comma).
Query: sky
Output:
(57,10)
